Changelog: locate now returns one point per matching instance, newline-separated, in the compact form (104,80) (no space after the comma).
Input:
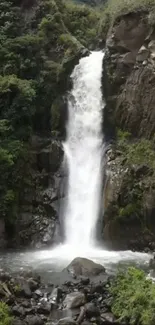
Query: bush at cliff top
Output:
(133,298)
(115,8)
(5,318)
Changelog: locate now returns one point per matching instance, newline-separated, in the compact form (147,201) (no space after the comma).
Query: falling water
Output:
(84,153)
(83,149)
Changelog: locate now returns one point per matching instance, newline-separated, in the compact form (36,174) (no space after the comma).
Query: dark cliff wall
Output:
(129,88)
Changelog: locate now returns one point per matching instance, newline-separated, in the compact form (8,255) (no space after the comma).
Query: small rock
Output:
(44,308)
(107,318)
(34,320)
(97,288)
(17,322)
(25,304)
(100,299)
(92,310)
(152,263)
(33,284)
(93,319)
(74,300)
(66,321)
(55,296)
(24,288)
(18,311)
(38,293)
(85,280)
(4,276)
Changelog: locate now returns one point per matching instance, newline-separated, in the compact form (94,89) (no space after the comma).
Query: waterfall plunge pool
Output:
(50,261)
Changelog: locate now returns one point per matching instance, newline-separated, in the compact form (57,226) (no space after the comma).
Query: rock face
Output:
(38,223)
(84,266)
(2,234)
(129,89)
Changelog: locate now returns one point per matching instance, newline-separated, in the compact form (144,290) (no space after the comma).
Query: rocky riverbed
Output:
(83,298)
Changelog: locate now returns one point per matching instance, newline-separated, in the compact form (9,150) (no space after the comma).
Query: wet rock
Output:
(92,310)
(74,300)
(85,323)
(49,158)
(18,322)
(38,293)
(44,308)
(98,287)
(55,296)
(93,320)
(152,263)
(32,284)
(81,315)
(4,276)
(84,280)
(23,287)
(34,320)
(66,321)
(83,266)
(26,304)
(107,319)
(18,311)
(3,241)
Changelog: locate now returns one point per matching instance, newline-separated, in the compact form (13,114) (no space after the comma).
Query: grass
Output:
(133,298)
(5,318)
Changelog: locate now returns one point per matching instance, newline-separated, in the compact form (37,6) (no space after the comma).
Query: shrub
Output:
(5,318)
(136,152)
(133,298)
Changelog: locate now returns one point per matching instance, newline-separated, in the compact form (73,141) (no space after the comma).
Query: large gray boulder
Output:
(83,266)
(74,300)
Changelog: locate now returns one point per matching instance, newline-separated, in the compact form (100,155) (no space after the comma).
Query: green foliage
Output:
(129,210)
(133,298)
(5,318)
(141,152)
(35,53)
(82,22)
(136,152)
(114,8)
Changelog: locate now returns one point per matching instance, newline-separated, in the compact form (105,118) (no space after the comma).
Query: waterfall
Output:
(83,151)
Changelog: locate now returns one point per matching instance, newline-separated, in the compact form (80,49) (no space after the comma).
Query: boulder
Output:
(66,321)
(91,310)
(2,234)
(24,287)
(74,300)
(83,266)
(84,280)
(34,320)
(18,310)
(44,308)
(108,319)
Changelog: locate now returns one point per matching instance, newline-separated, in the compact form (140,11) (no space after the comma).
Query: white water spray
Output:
(83,149)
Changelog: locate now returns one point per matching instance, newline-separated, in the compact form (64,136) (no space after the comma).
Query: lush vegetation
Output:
(134,298)
(138,159)
(35,47)
(115,8)
(136,152)
(5,318)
